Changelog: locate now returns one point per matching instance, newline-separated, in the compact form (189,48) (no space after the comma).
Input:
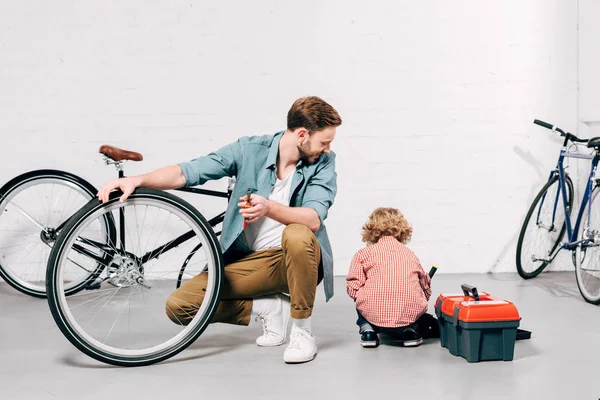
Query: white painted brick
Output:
(437,100)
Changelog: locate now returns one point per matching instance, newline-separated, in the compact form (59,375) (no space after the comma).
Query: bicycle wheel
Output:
(33,208)
(125,321)
(543,228)
(587,255)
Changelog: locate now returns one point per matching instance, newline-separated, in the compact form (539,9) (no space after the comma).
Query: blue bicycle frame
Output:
(572,231)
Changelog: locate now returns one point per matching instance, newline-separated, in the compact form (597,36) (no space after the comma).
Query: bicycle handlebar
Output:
(569,136)
(544,124)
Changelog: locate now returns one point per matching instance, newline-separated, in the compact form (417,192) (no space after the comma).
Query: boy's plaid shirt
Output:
(389,284)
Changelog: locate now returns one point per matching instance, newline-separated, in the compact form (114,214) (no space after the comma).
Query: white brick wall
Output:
(589,67)
(437,100)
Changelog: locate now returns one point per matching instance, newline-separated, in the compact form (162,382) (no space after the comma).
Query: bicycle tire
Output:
(554,180)
(73,332)
(588,296)
(21,182)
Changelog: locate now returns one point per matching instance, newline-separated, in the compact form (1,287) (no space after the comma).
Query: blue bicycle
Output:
(544,226)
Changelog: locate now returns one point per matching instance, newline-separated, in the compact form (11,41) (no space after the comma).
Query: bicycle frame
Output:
(207,192)
(572,230)
(111,250)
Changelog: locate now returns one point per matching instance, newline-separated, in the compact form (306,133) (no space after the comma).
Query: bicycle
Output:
(97,266)
(583,238)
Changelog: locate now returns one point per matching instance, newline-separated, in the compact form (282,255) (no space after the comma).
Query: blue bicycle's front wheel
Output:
(543,228)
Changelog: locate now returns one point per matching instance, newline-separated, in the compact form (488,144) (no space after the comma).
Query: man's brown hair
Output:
(312,113)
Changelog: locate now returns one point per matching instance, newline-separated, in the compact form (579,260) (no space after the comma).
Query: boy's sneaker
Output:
(410,338)
(369,339)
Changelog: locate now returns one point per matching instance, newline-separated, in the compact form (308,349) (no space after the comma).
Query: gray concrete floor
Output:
(558,362)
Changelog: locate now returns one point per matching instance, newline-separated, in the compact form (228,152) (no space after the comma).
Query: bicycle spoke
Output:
(587,268)
(542,230)
(29,217)
(119,314)
(27,213)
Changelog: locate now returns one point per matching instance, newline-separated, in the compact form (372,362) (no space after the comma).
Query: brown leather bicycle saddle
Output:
(117,154)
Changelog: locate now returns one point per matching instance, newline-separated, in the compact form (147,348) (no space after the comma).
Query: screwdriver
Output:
(432,271)
(247,205)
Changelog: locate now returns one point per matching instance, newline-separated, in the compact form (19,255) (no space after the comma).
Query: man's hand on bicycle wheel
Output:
(127,186)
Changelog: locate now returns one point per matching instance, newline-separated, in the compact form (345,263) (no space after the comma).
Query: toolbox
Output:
(478,326)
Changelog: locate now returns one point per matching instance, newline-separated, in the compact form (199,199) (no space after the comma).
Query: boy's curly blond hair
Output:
(386,222)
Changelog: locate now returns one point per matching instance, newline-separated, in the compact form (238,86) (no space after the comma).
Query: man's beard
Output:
(306,157)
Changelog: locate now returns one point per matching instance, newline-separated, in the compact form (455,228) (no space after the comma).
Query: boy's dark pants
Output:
(426,325)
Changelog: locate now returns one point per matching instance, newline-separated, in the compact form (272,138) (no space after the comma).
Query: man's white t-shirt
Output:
(266,232)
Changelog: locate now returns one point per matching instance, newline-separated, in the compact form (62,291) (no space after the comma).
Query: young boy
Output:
(387,282)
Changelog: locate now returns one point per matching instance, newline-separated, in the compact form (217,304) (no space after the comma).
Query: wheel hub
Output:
(125,271)
(49,235)
(592,235)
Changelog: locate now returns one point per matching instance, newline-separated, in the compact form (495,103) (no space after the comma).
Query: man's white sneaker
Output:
(302,347)
(275,323)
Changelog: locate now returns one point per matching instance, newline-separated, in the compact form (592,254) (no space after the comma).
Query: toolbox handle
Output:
(470,289)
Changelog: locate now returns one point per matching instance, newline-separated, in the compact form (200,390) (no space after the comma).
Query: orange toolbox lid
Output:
(476,308)
(487,311)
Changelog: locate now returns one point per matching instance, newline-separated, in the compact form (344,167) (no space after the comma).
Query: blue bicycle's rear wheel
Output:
(587,255)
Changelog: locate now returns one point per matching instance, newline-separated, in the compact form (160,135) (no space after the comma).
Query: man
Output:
(285,248)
